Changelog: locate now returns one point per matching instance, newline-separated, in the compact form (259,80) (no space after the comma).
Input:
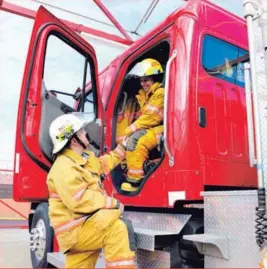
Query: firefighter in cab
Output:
(145,132)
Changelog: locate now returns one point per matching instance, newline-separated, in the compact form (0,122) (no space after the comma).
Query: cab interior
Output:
(129,89)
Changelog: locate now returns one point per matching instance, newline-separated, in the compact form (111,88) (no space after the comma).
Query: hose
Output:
(261,220)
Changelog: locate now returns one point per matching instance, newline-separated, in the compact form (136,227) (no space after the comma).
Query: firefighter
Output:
(85,219)
(145,132)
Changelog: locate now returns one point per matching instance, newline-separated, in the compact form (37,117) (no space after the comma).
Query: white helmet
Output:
(63,128)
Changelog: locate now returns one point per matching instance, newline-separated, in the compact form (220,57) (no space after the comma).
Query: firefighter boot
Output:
(128,187)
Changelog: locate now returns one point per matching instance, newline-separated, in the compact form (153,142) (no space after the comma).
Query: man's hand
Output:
(128,131)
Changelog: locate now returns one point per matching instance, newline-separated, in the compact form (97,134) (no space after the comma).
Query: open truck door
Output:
(59,66)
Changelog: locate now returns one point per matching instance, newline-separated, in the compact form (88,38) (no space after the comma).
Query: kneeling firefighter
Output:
(145,132)
(84,218)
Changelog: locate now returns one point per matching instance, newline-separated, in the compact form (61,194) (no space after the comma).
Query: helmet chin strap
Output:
(79,141)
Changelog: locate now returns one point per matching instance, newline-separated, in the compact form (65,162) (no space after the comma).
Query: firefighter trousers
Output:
(135,159)
(114,240)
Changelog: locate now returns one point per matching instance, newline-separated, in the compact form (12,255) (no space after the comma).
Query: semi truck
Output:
(203,191)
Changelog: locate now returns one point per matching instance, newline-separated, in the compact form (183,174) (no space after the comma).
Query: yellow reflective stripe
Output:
(152,108)
(120,263)
(136,172)
(53,195)
(104,165)
(110,202)
(78,194)
(120,151)
(157,110)
(133,127)
(69,225)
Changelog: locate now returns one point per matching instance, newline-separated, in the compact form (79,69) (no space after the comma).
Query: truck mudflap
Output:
(153,231)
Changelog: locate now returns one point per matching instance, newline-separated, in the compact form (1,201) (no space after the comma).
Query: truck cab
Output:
(202,49)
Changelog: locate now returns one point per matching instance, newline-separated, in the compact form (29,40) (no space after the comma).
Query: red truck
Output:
(203,49)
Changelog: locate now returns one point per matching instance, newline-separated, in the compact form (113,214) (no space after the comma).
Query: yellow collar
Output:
(152,89)
(74,156)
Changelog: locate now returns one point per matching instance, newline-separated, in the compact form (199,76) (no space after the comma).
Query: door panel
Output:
(51,109)
(59,62)
(224,138)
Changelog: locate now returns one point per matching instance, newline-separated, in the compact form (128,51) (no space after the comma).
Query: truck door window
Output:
(65,72)
(89,102)
(224,60)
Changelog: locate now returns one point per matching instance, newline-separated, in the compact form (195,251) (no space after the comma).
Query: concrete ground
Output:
(14,248)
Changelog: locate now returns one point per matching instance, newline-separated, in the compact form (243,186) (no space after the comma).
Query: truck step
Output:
(149,227)
(144,259)
(150,230)
(210,244)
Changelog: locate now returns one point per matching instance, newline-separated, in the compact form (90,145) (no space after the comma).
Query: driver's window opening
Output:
(67,76)
(139,115)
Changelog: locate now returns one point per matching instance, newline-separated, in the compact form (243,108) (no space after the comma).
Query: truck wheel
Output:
(41,237)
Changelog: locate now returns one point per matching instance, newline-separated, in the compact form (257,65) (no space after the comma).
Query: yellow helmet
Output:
(147,67)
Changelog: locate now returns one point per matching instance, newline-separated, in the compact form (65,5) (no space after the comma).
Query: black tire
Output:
(41,217)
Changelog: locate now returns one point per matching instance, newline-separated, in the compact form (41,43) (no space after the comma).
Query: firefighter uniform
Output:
(151,118)
(84,218)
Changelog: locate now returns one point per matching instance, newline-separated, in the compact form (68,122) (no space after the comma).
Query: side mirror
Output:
(52,93)
(77,94)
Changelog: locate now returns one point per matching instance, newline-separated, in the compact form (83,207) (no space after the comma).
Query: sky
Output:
(15,34)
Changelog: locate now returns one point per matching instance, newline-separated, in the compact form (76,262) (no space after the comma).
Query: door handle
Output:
(166,99)
(202,117)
